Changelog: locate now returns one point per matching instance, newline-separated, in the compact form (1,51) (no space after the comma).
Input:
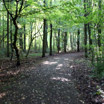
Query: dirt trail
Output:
(49,82)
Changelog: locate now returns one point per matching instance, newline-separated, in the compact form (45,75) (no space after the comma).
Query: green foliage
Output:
(99,68)
(2,52)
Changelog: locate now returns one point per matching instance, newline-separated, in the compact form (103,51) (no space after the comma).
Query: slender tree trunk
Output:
(71,41)
(44,34)
(90,40)
(35,40)
(7,34)
(78,41)
(0,30)
(65,42)
(15,41)
(54,41)
(99,24)
(85,29)
(3,30)
(11,36)
(44,38)
(31,25)
(58,41)
(85,39)
(29,47)
(24,38)
(50,39)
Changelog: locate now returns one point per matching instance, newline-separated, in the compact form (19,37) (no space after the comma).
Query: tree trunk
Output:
(50,39)
(71,41)
(78,41)
(85,29)
(14,43)
(3,30)
(7,34)
(29,47)
(11,39)
(44,38)
(58,47)
(99,24)
(65,42)
(44,33)
(90,40)
(85,39)
(24,38)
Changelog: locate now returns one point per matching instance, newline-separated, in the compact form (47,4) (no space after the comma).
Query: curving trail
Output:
(48,82)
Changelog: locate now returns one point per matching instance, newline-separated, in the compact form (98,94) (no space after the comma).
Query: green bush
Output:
(99,68)
(2,52)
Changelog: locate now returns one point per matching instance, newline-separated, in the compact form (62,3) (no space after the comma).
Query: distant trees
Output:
(60,31)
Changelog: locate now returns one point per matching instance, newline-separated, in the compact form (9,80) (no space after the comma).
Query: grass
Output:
(35,54)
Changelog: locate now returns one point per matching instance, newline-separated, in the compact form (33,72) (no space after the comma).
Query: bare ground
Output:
(46,81)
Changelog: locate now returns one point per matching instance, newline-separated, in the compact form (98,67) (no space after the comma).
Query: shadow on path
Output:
(50,82)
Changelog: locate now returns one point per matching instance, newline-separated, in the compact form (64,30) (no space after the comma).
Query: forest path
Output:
(48,82)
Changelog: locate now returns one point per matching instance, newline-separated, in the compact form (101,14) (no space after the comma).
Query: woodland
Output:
(36,35)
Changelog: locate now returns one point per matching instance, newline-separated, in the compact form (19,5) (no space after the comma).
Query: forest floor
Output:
(59,79)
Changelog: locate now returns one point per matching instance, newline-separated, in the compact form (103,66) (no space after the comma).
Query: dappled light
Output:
(49,63)
(56,58)
(47,81)
(51,51)
(59,66)
(13,72)
(66,59)
(2,95)
(60,79)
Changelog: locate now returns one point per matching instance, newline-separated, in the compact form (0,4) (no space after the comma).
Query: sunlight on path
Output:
(47,83)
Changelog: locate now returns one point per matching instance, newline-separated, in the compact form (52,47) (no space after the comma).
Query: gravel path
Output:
(48,82)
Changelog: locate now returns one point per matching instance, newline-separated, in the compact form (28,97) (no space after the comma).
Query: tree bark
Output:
(3,30)
(8,34)
(14,43)
(44,38)
(50,39)
(65,42)
(85,29)
(45,44)
(11,36)
(90,40)
(24,38)
(58,47)
(78,41)
(99,24)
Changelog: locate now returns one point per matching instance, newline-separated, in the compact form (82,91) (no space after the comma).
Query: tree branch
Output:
(21,6)
(7,9)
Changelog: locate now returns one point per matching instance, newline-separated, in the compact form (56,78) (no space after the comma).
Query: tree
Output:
(65,41)
(50,39)
(78,41)
(99,24)
(15,22)
(58,45)
(85,29)
(8,31)
(44,34)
